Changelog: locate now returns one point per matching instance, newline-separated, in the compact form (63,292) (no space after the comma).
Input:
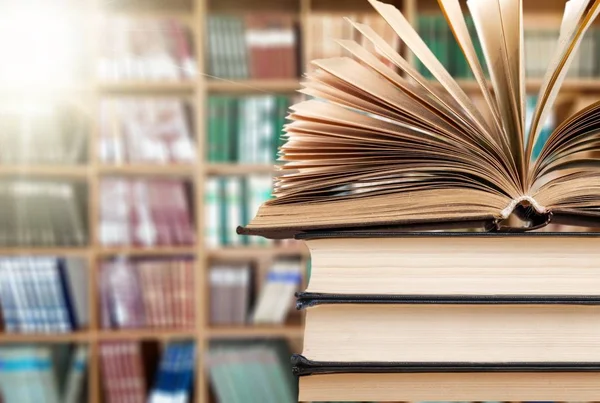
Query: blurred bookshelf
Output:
(198,163)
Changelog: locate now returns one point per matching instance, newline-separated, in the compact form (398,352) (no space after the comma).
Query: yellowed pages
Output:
(473,387)
(574,26)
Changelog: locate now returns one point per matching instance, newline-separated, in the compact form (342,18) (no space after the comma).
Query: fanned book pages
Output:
(380,147)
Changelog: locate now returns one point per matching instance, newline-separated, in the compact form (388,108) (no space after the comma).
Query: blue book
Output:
(185,372)
(164,387)
(175,374)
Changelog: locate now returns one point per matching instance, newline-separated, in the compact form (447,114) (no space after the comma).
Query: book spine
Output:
(7,300)
(234,200)
(211,212)
(76,376)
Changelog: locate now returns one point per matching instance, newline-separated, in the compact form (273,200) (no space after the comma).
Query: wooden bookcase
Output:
(194,13)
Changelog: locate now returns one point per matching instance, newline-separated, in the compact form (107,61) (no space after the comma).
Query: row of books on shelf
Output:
(156,293)
(540,45)
(158,130)
(255,45)
(145,49)
(43,294)
(41,213)
(126,372)
(256,371)
(266,45)
(229,202)
(245,129)
(132,211)
(36,131)
(50,295)
(145,213)
(232,287)
(146,130)
(43,373)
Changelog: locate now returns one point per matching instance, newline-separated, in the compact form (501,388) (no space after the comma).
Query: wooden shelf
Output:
(238,169)
(256,252)
(73,337)
(243,332)
(233,86)
(139,251)
(148,170)
(147,87)
(74,172)
(146,334)
(44,251)
(181,15)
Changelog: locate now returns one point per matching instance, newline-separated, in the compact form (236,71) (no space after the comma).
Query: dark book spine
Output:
(307,300)
(302,366)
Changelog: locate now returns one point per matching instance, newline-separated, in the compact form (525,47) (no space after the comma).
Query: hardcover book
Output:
(389,147)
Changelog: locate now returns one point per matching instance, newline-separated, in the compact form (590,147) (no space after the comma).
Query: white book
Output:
(211,213)
(233,197)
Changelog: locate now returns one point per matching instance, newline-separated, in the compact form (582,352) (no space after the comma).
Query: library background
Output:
(135,136)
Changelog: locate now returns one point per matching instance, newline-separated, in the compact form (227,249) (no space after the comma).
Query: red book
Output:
(160,217)
(189,301)
(165,282)
(271,45)
(131,360)
(111,376)
(182,51)
(179,213)
(184,293)
(150,292)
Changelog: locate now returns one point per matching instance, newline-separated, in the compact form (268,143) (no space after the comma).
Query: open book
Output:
(384,147)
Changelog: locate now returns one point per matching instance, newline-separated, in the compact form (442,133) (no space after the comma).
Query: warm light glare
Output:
(38,48)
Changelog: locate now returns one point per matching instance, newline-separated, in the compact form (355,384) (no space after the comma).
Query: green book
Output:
(218,128)
(222,228)
(228,120)
(212,112)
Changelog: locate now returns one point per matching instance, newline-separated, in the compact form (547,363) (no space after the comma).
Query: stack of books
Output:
(256,46)
(43,294)
(140,212)
(126,366)
(136,130)
(147,293)
(498,313)
(41,373)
